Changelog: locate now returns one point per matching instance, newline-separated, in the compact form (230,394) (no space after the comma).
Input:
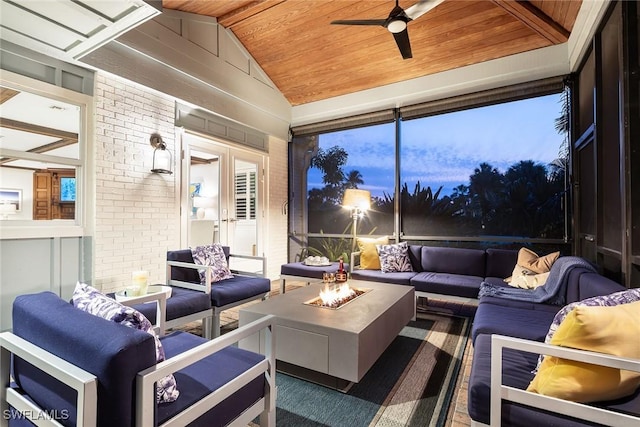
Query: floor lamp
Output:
(358,201)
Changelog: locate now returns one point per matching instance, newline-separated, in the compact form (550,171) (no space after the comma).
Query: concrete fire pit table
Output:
(340,343)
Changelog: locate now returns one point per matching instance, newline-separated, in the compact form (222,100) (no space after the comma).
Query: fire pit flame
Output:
(336,296)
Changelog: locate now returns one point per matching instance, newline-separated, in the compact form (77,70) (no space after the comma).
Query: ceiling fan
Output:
(397,22)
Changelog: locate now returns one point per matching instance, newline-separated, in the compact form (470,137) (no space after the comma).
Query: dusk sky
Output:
(444,150)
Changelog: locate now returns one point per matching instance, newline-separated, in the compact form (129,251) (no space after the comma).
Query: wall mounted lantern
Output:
(161,156)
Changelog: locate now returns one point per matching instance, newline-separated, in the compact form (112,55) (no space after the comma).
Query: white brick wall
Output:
(137,216)
(137,212)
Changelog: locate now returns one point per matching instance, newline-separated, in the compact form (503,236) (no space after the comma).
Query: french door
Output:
(222,196)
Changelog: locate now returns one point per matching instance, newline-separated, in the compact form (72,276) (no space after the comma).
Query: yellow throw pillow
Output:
(369,259)
(611,330)
(529,263)
(529,281)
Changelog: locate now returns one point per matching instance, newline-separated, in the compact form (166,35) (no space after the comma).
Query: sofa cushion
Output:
(469,262)
(513,319)
(394,258)
(61,329)
(369,258)
(238,288)
(500,262)
(611,330)
(378,276)
(587,284)
(182,302)
(447,284)
(208,375)
(89,299)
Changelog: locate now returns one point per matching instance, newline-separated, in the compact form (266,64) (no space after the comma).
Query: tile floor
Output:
(457,413)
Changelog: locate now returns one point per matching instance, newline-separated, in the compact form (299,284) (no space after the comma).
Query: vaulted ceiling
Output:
(309,59)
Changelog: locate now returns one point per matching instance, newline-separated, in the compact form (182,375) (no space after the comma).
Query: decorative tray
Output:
(317,261)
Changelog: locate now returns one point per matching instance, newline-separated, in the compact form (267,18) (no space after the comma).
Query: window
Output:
(475,171)
(497,170)
(44,129)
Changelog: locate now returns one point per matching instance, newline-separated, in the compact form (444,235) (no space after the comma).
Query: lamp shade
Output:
(354,198)
(207,207)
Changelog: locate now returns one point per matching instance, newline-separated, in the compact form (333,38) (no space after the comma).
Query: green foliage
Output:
(332,247)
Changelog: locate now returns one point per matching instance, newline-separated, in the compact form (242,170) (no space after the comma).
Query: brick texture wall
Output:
(137,212)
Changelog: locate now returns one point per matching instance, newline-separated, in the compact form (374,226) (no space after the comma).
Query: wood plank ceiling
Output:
(309,59)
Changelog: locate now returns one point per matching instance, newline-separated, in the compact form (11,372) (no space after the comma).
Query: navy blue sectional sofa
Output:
(452,273)
(531,322)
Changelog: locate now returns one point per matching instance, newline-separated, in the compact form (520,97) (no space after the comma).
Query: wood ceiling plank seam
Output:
(535,19)
(238,15)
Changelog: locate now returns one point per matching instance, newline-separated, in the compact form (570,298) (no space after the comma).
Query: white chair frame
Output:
(210,318)
(86,383)
(500,392)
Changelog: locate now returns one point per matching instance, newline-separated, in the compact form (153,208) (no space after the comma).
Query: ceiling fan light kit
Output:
(396,22)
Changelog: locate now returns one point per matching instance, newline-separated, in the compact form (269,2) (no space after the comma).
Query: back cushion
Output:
(592,285)
(111,352)
(500,262)
(470,262)
(415,256)
(187,274)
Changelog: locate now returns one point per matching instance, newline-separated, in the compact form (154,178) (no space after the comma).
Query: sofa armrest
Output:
(85,383)
(261,273)
(501,392)
(353,264)
(145,383)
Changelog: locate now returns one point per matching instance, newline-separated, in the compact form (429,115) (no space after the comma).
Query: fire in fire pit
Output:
(336,296)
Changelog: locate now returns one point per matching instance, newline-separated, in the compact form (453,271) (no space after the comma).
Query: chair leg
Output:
(207,327)
(282,286)
(215,320)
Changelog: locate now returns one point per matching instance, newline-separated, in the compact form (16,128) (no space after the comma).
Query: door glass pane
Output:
(204,198)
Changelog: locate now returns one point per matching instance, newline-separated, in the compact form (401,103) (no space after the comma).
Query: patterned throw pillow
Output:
(212,255)
(394,258)
(617,298)
(89,299)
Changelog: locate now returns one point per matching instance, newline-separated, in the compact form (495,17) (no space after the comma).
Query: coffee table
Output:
(342,343)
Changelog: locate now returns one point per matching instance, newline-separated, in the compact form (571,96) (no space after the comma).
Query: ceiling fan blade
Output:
(402,40)
(420,8)
(379,22)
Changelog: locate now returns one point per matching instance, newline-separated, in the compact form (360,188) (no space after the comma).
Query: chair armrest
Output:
(145,383)
(188,285)
(353,264)
(160,299)
(85,383)
(261,273)
(501,392)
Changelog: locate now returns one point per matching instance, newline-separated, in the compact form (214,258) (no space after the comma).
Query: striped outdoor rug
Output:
(410,385)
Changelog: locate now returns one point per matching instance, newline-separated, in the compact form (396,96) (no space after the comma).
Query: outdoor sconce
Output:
(358,201)
(161,156)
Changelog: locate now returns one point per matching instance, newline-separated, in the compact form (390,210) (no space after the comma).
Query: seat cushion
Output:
(447,284)
(90,342)
(208,375)
(378,276)
(512,320)
(238,288)
(182,302)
